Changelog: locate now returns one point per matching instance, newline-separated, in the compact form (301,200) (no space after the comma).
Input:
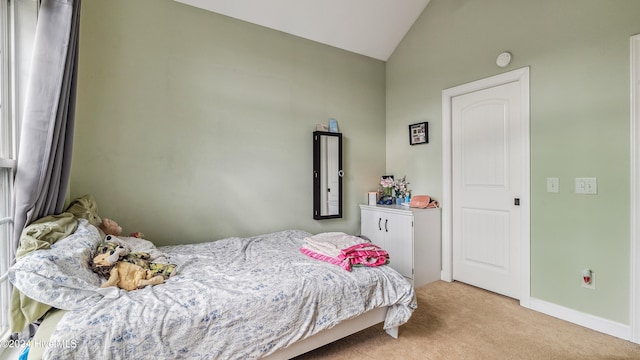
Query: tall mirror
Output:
(327,175)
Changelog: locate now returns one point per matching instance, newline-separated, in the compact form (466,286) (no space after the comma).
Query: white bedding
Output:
(230,299)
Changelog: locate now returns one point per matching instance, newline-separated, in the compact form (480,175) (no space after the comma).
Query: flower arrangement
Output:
(396,188)
(386,186)
(401,187)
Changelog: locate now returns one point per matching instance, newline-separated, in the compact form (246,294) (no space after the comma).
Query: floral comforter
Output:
(237,298)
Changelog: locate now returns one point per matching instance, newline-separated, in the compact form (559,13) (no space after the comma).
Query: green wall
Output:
(192,126)
(578,53)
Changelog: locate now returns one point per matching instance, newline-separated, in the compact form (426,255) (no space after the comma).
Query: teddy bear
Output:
(125,269)
(111,227)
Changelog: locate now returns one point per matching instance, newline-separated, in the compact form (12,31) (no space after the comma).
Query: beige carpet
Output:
(458,321)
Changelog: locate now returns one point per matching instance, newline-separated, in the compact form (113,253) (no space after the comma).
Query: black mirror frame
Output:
(316,175)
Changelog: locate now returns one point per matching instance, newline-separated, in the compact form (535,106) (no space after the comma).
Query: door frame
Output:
(522,76)
(634,314)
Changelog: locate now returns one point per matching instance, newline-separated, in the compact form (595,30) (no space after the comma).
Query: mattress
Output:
(236,298)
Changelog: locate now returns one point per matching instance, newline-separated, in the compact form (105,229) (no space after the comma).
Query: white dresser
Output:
(411,236)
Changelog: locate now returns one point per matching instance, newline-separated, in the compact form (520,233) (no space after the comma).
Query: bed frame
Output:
(324,337)
(339,331)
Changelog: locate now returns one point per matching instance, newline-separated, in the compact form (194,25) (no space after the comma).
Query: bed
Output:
(236,298)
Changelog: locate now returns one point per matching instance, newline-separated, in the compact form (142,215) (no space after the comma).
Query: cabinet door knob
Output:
(379,227)
(385,225)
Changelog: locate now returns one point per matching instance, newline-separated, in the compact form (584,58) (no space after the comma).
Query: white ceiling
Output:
(368,27)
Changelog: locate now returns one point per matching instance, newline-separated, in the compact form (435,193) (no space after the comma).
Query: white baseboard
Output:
(592,322)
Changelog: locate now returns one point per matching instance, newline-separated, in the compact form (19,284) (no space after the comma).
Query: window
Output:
(18,20)
(7,165)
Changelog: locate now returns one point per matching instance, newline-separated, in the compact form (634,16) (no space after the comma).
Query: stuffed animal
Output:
(110,227)
(125,275)
(118,252)
(136,234)
(128,270)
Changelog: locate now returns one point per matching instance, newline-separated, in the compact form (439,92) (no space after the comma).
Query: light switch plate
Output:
(553,184)
(588,186)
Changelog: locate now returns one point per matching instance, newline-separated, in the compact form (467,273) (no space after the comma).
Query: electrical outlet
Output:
(591,284)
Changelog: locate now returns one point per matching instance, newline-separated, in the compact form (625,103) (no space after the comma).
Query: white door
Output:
(486,187)
(635,188)
(393,233)
(399,242)
(371,226)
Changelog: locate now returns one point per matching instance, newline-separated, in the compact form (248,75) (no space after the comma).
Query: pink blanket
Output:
(344,250)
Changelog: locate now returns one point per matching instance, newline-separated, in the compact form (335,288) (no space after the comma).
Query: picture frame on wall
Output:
(419,133)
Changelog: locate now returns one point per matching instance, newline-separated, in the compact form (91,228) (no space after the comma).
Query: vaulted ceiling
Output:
(369,27)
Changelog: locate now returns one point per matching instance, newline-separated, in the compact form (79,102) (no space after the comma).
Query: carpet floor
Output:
(459,321)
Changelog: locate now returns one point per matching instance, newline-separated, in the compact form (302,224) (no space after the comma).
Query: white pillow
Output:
(61,276)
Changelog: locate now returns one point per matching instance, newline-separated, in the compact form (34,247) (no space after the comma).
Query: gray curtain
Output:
(46,133)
